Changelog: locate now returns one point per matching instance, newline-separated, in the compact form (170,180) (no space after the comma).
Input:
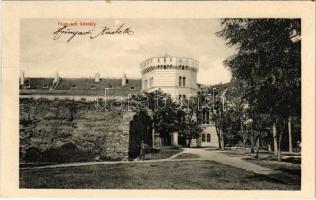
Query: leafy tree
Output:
(269,63)
(162,110)
(189,127)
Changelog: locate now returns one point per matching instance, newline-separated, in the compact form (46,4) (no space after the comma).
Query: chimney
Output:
(56,78)
(22,78)
(124,79)
(97,78)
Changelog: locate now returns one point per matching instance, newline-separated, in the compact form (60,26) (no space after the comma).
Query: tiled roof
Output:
(82,86)
(37,83)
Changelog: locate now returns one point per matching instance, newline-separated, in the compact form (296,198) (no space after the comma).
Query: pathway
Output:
(238,162)
(204,154)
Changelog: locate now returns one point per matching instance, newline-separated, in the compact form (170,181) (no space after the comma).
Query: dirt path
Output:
(203,154)
(237,162)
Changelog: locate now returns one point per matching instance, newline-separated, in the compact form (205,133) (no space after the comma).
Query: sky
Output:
(113,55)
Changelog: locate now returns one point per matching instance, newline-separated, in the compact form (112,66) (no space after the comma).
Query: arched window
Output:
(203,137)
(208,137)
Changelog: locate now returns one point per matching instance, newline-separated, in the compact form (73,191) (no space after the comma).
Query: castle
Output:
(176,76)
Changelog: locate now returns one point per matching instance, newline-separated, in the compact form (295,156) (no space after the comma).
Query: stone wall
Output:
(66,131)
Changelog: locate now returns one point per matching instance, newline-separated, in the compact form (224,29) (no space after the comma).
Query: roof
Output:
(37,83)
(81,86)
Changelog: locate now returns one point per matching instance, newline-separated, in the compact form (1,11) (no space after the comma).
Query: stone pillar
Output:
(174,139)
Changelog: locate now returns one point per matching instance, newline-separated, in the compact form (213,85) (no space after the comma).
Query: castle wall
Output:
(51,132)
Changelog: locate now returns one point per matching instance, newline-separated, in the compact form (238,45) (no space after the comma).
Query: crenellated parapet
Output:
(168,62)
(176,76)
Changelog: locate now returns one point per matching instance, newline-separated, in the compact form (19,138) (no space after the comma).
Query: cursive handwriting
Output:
(66,31)
(119,31)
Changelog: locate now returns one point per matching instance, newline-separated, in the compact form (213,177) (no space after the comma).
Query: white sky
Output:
(111,56)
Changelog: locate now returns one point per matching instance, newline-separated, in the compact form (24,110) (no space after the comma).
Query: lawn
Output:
(162,153)
(187,156)
(160,175)
(290,167)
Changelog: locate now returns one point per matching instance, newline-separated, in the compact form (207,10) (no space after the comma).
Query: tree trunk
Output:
(252,144)
(269,147)
(222,139)
(275,139)
(279,147)
(280,141)
(258,147)
(290,135)
(219,138)
(153,136)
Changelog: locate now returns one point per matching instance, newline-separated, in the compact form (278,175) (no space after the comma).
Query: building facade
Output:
(176,76)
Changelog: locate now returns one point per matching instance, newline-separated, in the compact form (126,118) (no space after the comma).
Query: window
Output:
(183,82)
(208,137)
(132,88)
(170,59)
(151,82)
(164,59)
(92,87)
(180,80)
(145,84)
(203,137)
(184,96)
(45,86)
(27,84)
(205,117)
(179,97)
(158,60)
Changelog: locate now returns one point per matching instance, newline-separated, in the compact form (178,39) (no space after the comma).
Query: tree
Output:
(189,127)
(165,118)
(269,62)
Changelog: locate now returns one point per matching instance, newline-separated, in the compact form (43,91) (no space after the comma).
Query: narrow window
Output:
(205,117)
(208,137)
(183,82)
(203,137)
(145,84)
(151,82)
(180,80)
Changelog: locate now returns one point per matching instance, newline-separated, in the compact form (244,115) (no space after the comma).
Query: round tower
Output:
(173,75)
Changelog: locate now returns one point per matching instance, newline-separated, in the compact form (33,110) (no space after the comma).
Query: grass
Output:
(162,153)
(160,175)
(187,156)
(290,167)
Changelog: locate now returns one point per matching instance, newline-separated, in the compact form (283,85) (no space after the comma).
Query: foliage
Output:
(268,66)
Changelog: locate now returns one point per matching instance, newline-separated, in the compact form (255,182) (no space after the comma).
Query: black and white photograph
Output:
(198,104)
